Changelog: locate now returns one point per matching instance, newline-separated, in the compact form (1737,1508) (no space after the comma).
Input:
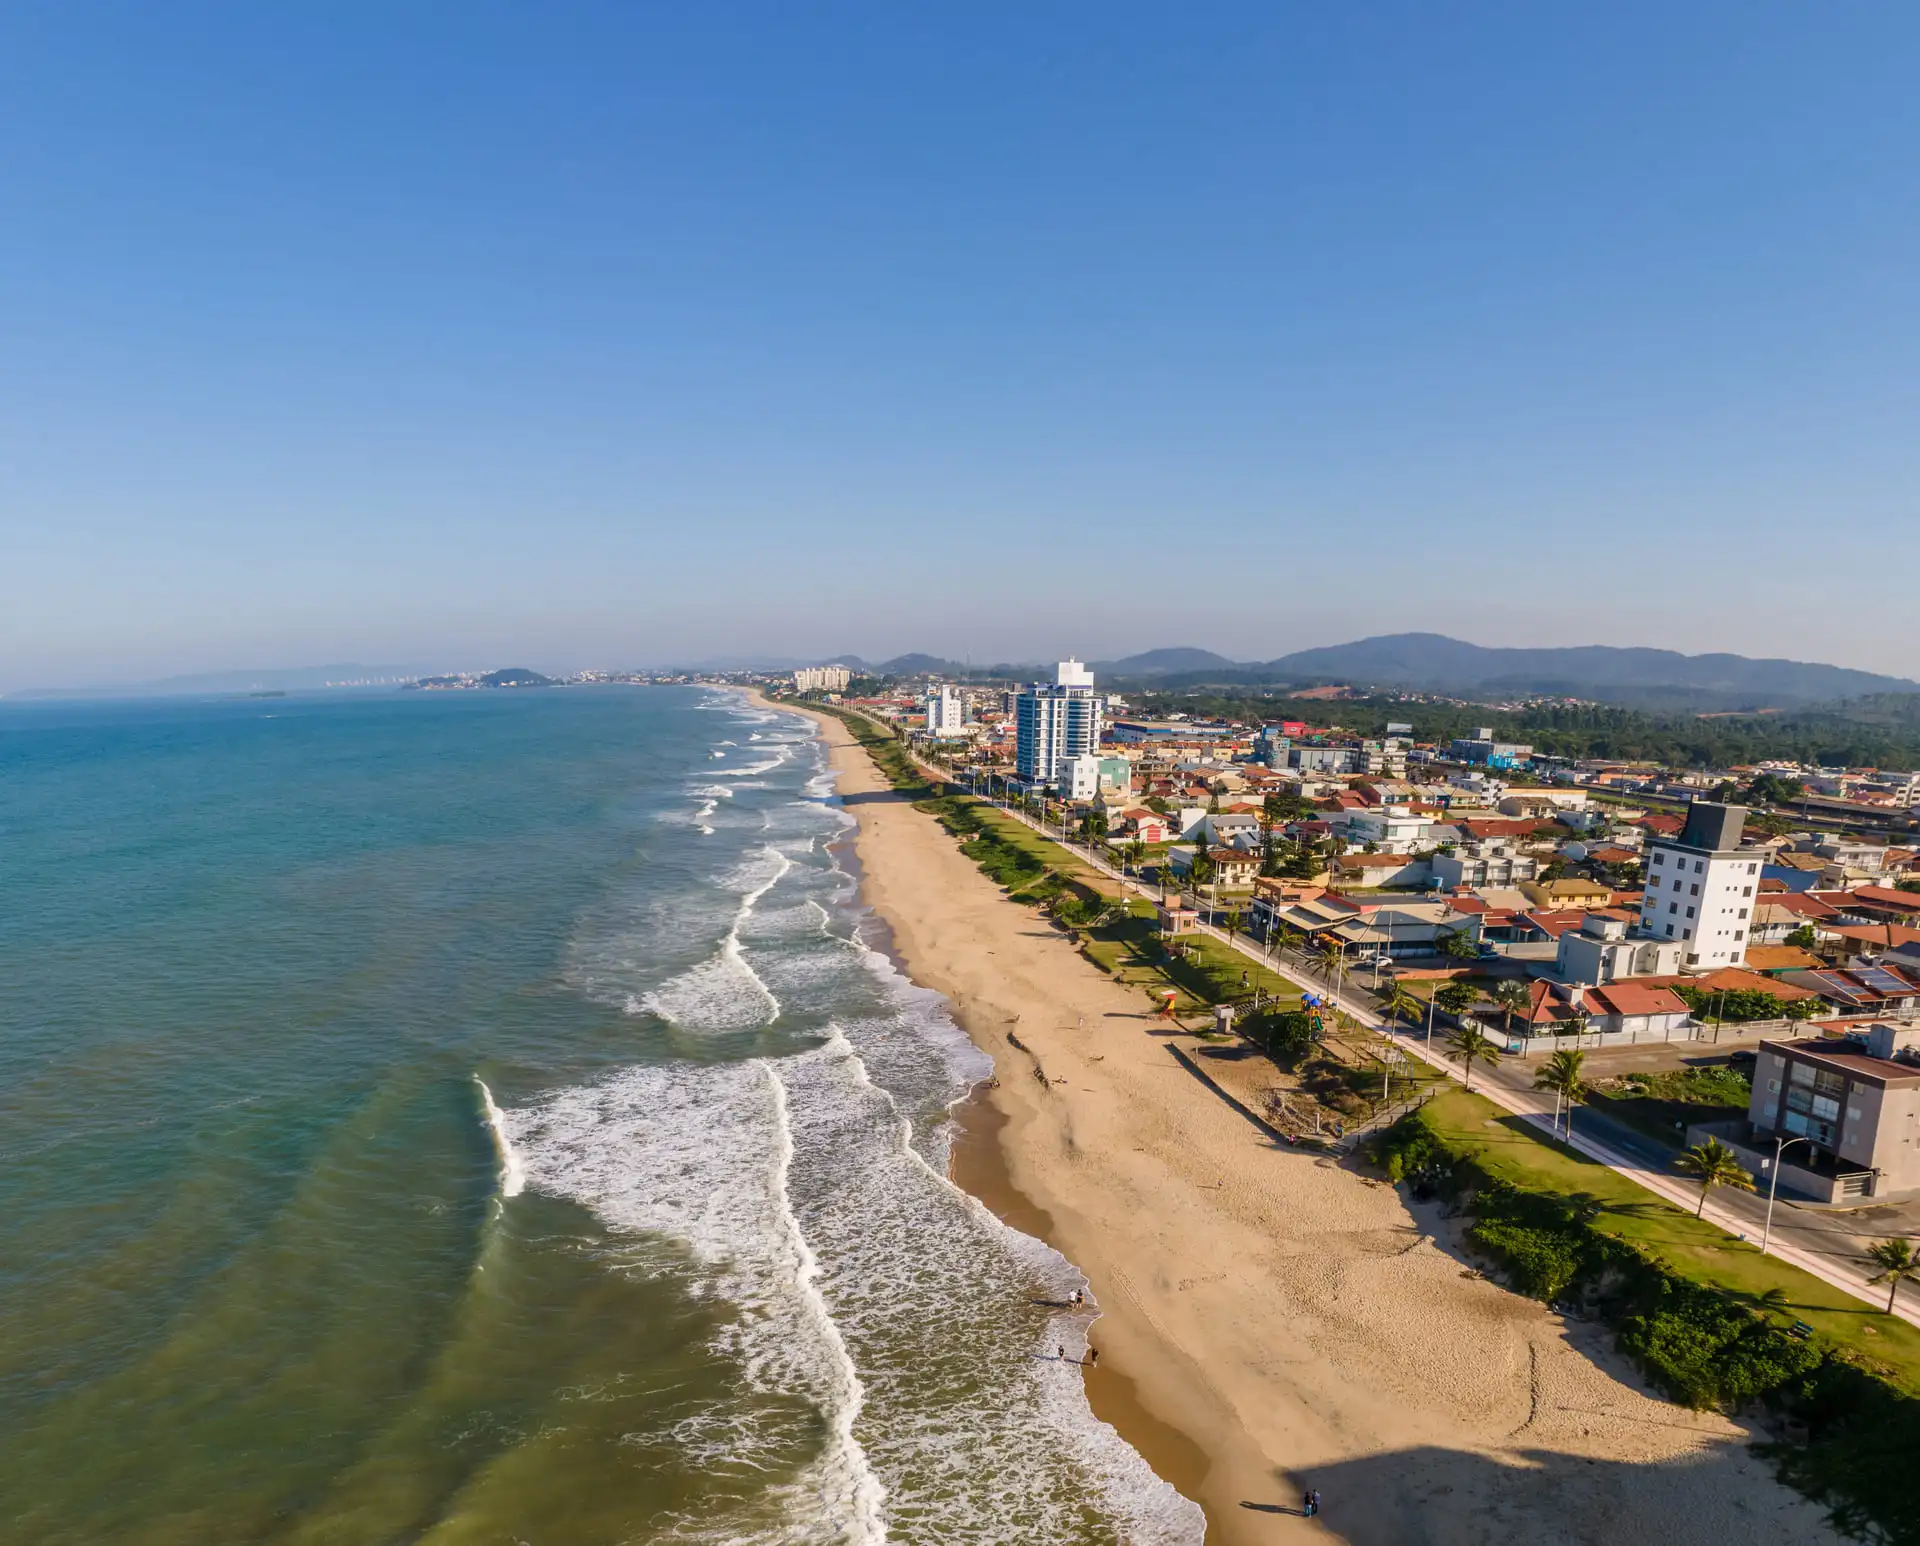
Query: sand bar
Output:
(1269,1320)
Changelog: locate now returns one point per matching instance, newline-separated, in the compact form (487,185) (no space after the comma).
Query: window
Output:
(1699,865)
(1739,933)
(1677,884)
(1659,857)
(1747,892)
(1669,931)
(1696,888)
(1743,912)
(1673,907)
(1689,912)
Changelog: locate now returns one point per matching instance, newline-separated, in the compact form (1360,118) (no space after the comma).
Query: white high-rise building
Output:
(1700,886)
(946,713)
(822,679)
(1054,724)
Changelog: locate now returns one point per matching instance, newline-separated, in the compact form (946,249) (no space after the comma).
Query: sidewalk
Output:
(1534,1108)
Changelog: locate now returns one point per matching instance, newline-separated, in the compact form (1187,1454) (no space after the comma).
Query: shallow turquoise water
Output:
(274,1272)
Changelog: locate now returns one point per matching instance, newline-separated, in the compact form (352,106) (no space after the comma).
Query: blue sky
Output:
(583,334)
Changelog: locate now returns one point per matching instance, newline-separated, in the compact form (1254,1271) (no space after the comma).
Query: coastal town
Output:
(1718,971)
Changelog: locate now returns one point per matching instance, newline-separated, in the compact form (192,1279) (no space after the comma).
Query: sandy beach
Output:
(1271,1321)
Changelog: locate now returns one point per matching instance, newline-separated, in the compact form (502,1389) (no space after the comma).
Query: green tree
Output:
(1457,946)
(1897,1262)
(1562,1075)
(1513,998)
(1201,870)
(1713,1164)
(1399,1003)
(1803,937)
(1472,1045)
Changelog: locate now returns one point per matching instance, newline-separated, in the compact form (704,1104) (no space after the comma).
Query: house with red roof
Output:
(1636,1009)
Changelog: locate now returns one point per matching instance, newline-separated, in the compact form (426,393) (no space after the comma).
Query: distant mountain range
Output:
(1414,662)
(1431,662)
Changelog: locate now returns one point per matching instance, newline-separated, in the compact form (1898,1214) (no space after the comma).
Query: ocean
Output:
(493,1117)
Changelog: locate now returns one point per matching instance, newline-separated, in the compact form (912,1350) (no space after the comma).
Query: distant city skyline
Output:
(614,337)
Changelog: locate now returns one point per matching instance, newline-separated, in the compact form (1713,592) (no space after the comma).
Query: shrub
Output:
(1537,1262)
(1706,1351)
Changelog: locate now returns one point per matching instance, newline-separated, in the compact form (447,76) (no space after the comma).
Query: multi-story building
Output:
(1483,751)
(1601,950)
(1855,1101)
(1326,759)
(1491,863)
(1700,886)
(946,712)
(1392,829)
(821,679)
(1054,723)
(1386,759)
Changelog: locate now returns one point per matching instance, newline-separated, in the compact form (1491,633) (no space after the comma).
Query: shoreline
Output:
(1267,1321)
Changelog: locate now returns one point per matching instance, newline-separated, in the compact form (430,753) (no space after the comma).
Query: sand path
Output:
(1270,1320)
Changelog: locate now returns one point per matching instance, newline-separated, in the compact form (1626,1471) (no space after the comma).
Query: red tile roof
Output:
(1634,998)
(1882,936)
(1886,896)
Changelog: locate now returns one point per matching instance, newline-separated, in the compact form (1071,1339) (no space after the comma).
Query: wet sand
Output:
(1270,1320)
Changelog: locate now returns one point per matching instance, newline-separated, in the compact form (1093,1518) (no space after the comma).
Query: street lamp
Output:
(1780,1146)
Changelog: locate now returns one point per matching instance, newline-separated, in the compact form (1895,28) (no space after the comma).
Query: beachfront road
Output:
(1812,1248)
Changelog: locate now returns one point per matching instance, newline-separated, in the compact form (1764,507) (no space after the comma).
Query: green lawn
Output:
(1507,1149)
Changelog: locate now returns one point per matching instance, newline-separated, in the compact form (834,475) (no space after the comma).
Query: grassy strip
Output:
(1705,1315)
(1121,936)
(1124,942)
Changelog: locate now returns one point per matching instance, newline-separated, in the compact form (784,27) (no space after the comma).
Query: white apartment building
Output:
(1392,829)
(1079,777)
(1054,723)
(946,712)
(1700,886)
(1494,862)
(821,679)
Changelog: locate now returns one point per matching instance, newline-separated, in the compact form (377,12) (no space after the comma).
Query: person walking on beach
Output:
(1307,1503)
(1093,1357)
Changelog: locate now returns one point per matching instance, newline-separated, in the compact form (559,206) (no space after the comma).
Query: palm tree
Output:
(1512,997)
(1562,1076)
(1398,1003)
(1332,953)
(1471,1045)
(1897,1262)
(1713,1164)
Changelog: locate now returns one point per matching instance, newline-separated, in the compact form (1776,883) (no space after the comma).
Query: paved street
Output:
(1825,1244)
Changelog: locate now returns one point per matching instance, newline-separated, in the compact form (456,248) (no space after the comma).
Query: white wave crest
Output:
(724,992)
(513,1172)
(702,1156)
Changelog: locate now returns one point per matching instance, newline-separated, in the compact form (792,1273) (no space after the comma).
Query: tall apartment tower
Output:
(1054,724)
(946,713)
(1701,886)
